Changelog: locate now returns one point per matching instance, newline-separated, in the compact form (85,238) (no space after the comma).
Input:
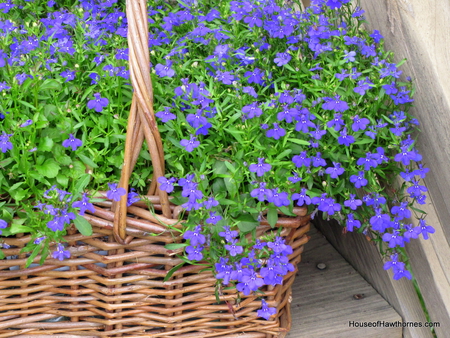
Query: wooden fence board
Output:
(366,259)
(419,30)
(323,301)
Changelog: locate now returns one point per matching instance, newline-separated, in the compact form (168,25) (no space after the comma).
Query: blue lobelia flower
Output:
(352,222)
(260,168)
(84,205)
(380,221)
(115,193)
(394,239)
(276,132)
(195,237)
(98,103)
(282,59)
(250,282)
(424,229)
(3,225)
(68,75)
(335,171)
(72,142)
(60,253)
(26,123)
(353,203)
(190,144)
(337,122)
(233,248)
(358,180)
(132,197)
(166,115)
(349,56)
(165,70)
(195,253)
(255,77)
(166,184)
(56,224)
(401,210)
(335,104)
(301,198)
(376,36)
(359,123)
(228,234)
(5,144)
(252,110)
(345,139)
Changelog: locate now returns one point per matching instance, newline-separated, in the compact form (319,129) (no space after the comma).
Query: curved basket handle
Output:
(141,121)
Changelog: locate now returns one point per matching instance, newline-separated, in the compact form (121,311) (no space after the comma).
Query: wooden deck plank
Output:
(324,300)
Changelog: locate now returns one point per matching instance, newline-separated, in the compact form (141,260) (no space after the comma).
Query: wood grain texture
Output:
(420,31)
(366,259)
(324,303)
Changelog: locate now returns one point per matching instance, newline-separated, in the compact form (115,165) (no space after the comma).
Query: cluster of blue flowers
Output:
(60,212)
(324,119)
(282,107)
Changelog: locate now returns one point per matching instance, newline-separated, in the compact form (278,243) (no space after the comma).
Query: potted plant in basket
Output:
(263,110)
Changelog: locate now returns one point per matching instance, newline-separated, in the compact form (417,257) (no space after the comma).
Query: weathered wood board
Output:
(419,30)
(325,302)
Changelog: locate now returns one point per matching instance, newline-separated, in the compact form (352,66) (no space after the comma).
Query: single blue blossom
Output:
(3,225)
(260,168)
(166,115)
(165,70)
(5,144)
(282,59)
(266,312)
(233,248)
(72,142)
(84,205)
(115,193)
(190,144)
(98,103)
(60,253)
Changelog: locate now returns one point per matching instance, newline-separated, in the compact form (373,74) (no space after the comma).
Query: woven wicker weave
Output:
(113,284)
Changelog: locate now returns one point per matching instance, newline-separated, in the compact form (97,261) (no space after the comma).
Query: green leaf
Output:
(171,271)
(20,194)
(17,228)
(26,104)
(63,159)
(33,255)
(86,160)
(62,180)
(230,184)
(82,183)
(224,201)
(302,142)
(51,84)
(83,226)
(272,216)
(46,144)
(2,255)
(285,210)
(284,153)
(220,167)
(44,254)
(15,186)
(230,166)
(49,168)
(175,246)
(6,161)
(246,222)
(219,186)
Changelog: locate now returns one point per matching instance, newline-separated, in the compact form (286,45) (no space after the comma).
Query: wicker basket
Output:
(113,284)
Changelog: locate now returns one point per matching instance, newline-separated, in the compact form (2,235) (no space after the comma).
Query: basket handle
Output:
(141,121)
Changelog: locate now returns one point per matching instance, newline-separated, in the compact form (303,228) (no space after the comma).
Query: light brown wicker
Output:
(113,284)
